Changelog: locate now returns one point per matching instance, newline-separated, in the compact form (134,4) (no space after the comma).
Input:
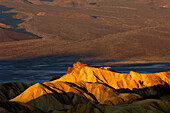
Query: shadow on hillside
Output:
(8,19)
(154,92)
(58,101)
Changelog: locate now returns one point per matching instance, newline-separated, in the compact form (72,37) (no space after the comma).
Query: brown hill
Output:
(8,36)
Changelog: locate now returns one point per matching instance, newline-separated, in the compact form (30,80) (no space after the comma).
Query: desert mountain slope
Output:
(7,36)
(63,95)
(82,72)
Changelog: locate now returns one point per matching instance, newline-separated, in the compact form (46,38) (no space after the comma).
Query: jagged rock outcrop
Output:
(11,90)
(63,95)
(83,72)
(14,107)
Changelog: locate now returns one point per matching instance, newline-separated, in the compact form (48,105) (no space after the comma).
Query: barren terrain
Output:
(127,30)
(86,89)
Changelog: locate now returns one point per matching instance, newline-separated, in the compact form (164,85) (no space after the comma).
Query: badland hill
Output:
(84,89)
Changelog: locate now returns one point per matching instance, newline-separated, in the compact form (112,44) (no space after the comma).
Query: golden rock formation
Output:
(83,72)
(62,95)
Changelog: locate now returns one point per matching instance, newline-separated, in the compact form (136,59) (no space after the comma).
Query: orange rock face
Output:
(81,72)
